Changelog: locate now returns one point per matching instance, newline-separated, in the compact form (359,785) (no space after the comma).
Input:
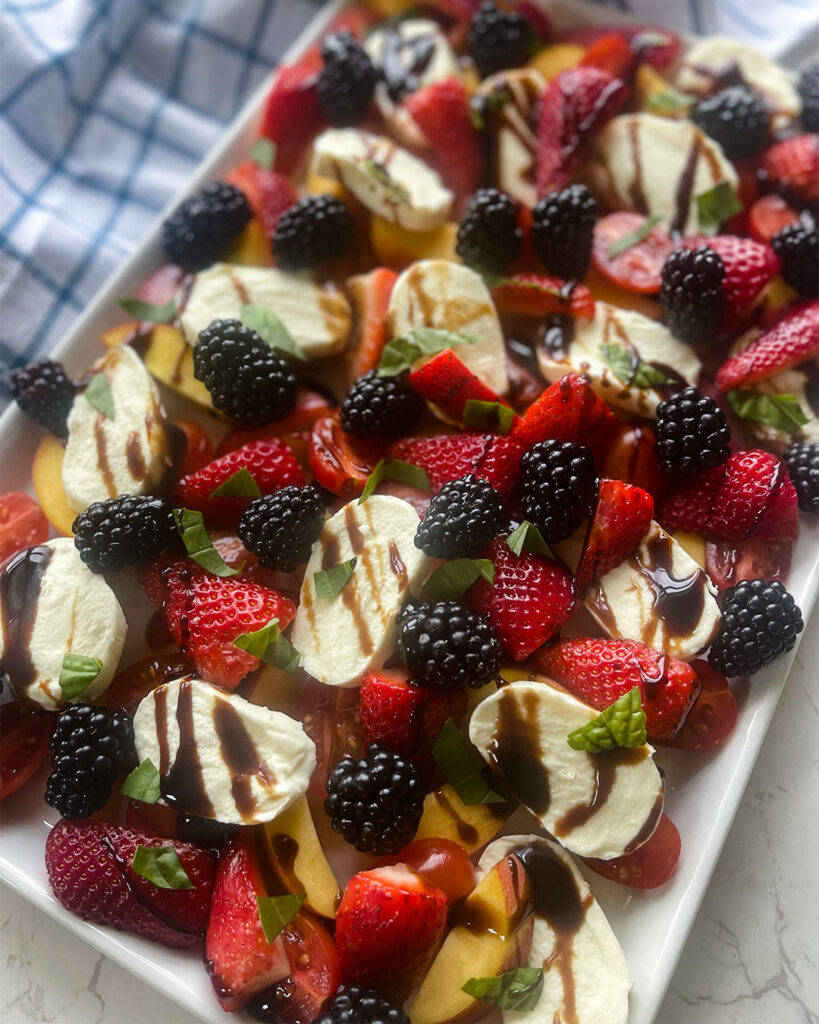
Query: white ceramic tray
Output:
(703,789)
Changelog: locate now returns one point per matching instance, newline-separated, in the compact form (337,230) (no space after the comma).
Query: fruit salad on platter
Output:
(445,474)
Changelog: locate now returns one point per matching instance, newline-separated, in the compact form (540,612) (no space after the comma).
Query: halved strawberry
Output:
(793,340)
(568,410)
(537,295)
(688,503)
(446,457)
(448,383)
(611,53)
(268,192)
(654,44)
(293,113)
(621,520)
(310,407)
(370,296)
(160,287)
(792,165)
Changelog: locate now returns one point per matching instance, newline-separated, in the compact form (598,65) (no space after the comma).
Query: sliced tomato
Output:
(538,295)
(650,866)
(139,679)
(728,562)
(22,523)
(631,455)
(769,215)
(195,449)
(340,462)
(331,719)
(639,267)
(611,53)
(24,736)
(443,863)
(712,717)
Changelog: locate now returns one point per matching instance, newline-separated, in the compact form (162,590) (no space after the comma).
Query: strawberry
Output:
(577,103)
(206,613)
(621,520)
(293,113)
(792,165)
(568,410)
(269,461)
(688,505)
(448,383)
(655,45)
(769,215)
(537,295)
(370,296)
(599,671)
(447,457)
(793,339)
(89,867)
(268,192)
(310,407)
(160,287)
(529,601)
(780,520)
(613,54)
(388,928)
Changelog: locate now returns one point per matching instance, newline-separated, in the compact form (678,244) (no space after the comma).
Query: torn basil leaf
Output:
(198,544)
(517,990)
(330,582)
(77,673)
(461,769)
(240,484)
(715,206)
(670,101)
(270,328)
(143,783)
(147,312)
(781,411)
(621,724)
(395,469)
(631,239)
(162,866)
(400,353)
(493,416)
(263,153)
(268,645)
(452,579)
(527,537)
(633,372)
(276,912)
(98,394)
(383,177)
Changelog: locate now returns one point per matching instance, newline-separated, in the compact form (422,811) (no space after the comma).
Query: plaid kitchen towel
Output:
(107,105)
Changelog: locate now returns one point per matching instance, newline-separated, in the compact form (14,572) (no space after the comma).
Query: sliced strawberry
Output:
(655,45)
(792,166)
(310,407)
(779,523)
(446,457)
(160,287)
(638,268)
(793,340)
(341,462)
(769,215)
(293,113)
(536,295)
(621,520)
(370,295)
(713,716)
(730,561)
(650,865)
(688,504)
(448,383)
(568,410)
(751,481)
(611,53)
(268,192)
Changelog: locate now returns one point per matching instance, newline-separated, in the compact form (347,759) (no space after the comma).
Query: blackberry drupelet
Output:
(563,231)
(353,1004)
(498,39)
(128,530)
(461,520)
(797,247)
(346,82)
(808,86)
(760,621)
(381,405)
(802,460)
(45,394)
(736,118)
(279,529)
(246,379)
(489,236)
(559,481)
(692,433)
(375,803)
(314,230)
(88,747)
(201,229)
(691,292)
(444,644)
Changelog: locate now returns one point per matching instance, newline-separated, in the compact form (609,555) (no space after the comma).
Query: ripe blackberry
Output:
(353,1004)
(802,460)
(375,803)
(760,621)
(691,292)
(279,529)
(498,39)
(381,405)
(201,229)
(559,481)
(797,247)
(246,379)
(736,118)
(808,86)
(461,520)
(489,236)
(44,393)
(346,82)
(444,644)
(563,231)
(314,230)
(88,747)
(692,433)
(128,530)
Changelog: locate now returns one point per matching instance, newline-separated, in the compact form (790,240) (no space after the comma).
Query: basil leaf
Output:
(481,107)
(670,101)
(715,206)
(454,578)
(98,394)
(276,912)
(198,544)
(263,153)
(631,239)
(330,582)
(527,537)
(781,411)
(522,284)
(240,484)
(638,375)
(513,990)
(400,353)
(270,646)
(621,724)
(383,177)
(268,325)
(488,416)
(461,769)
(147,312)
(143,783)
(77,674)
(162,866)
(395,469)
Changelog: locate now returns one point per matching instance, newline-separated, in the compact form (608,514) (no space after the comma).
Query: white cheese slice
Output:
(513,97)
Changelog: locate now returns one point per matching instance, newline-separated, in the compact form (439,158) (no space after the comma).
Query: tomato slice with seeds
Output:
(22,523)
(139,679)
(713,716)
(196,450)
(330,715)
(769,215)
(649,866)
(443,863)
(24,736)
(639,267)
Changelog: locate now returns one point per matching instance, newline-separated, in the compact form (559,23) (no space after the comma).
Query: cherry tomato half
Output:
(340,462)
(712,717)
(443,863)
(332,721)
(639,267)
(139,679)
(730,561)
(22,523)
(24,736)
(195,451)
(769,215)
(650,866)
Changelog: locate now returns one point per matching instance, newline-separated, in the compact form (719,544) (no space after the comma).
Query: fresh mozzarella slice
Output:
(449,296)
(126,453)
(596,805)
(385,177)
(221,757)
(660,596)
(340,637)
(317,317)
(585,975)
(51,604)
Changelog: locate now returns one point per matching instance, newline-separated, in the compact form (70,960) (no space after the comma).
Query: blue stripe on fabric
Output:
(256,37)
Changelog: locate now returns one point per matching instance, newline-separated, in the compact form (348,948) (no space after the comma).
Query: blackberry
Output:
(498,39)
(201,229)
(802,460)
(692,433)
(760,621)
(489,236)
(559,482)
(736,118)
(128,530)
(808,86)
(353,1004)
(246,379)
(563,231)
(45,394)
(461,520)
(280,528)
(381,405)
(88,747)
(691,292)
(375,803)
(346,82)
(797,246)
(312,231)
(444,644)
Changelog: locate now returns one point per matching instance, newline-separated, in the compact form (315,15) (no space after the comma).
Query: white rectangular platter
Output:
(703,789)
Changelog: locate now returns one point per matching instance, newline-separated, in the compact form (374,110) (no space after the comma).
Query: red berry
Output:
(448,383)
(792,340)
(446,457)
(793,165)
(568,410)
(621,520)
(538,295)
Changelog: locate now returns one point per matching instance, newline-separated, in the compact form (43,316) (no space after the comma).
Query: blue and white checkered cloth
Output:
(106,106)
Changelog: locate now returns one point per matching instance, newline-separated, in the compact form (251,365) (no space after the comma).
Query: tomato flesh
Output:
(330,715)
(649,866)
(22,523)
(340,462)
(139,679)
(713,716)
(769,215)
(638,268)
(443,863)
(729,562)
(24,736)
(195,450)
